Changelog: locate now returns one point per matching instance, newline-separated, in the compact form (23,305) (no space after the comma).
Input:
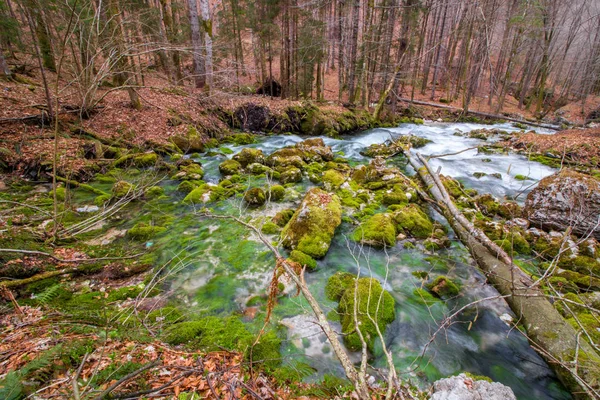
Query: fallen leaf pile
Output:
(219,374)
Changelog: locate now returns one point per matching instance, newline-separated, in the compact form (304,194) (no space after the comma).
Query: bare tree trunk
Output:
(353,50)
(207,27)
(439,51)
(199,67)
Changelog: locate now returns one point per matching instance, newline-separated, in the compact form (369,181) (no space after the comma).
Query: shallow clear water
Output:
(223,265)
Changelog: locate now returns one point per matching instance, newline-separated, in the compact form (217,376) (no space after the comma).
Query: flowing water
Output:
(220,266)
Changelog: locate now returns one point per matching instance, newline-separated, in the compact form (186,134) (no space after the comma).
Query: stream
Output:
(219,267)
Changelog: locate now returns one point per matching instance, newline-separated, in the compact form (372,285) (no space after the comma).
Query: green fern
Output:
(11,387)
(293,372)
(48,295)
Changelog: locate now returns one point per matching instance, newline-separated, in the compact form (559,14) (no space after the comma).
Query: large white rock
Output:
(462,387)
(567,198)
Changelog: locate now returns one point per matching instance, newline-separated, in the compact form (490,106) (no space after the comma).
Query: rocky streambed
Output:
(344,209)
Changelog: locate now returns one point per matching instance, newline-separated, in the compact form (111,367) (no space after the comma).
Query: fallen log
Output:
(574,361)
(479,113)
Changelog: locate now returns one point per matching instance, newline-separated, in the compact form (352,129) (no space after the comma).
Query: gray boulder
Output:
(566,199)
(462,387)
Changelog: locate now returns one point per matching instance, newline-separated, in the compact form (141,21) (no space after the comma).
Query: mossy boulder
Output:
(412,220)
(396,195)
(230,167)
(377,231)
(210,333)
(121,189)
(337,284)
(258,169)
(283,217)
(239,139)
(188,170)
(276,193)
(186,186)
(315,149)
(333,179)
(313,225)
(373,305)
(206,192)
(137,160)
(487,204)
(291,175)
(303,259)
(142,231)
(255,197)
(443,287)
(191,142)
(286,157)
(249,156)
(270,228)
(552,203)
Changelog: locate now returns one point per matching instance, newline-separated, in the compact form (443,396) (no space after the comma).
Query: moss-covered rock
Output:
(255,197)
(283,217)
(142,231)
(249,156)
(186,186)
(582,264)
(122,189)
(374,306)
(315,172)
(191,142)
(378,231)
(303,259)
(487,204)
(396,195)
(270,228)
(333,179)
(510,210)
(286,157)
(258,169)
(313,224)
(206,192)
(230,167)
(337,284)
(102,199)
(412,220)
(153,192)
(443,287)
(137,160)
(210,333)
(276,193)
(584,282)
(291,175)
(188,170)
(239,139)
(315,150)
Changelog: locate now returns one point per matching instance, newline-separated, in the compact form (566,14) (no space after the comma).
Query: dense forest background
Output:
(541,55)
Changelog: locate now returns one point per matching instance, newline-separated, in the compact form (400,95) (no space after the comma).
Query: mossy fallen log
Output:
(575,362)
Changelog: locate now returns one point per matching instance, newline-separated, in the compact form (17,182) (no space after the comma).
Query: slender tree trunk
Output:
(353,50)
(4,69)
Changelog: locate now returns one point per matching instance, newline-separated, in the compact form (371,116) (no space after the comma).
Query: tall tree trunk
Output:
(199,67)
(207,27)
(123,73)
(353,50)
(436,67)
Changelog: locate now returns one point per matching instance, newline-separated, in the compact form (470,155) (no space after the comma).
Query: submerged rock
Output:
(463,387)
(566,199)
(313,224)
